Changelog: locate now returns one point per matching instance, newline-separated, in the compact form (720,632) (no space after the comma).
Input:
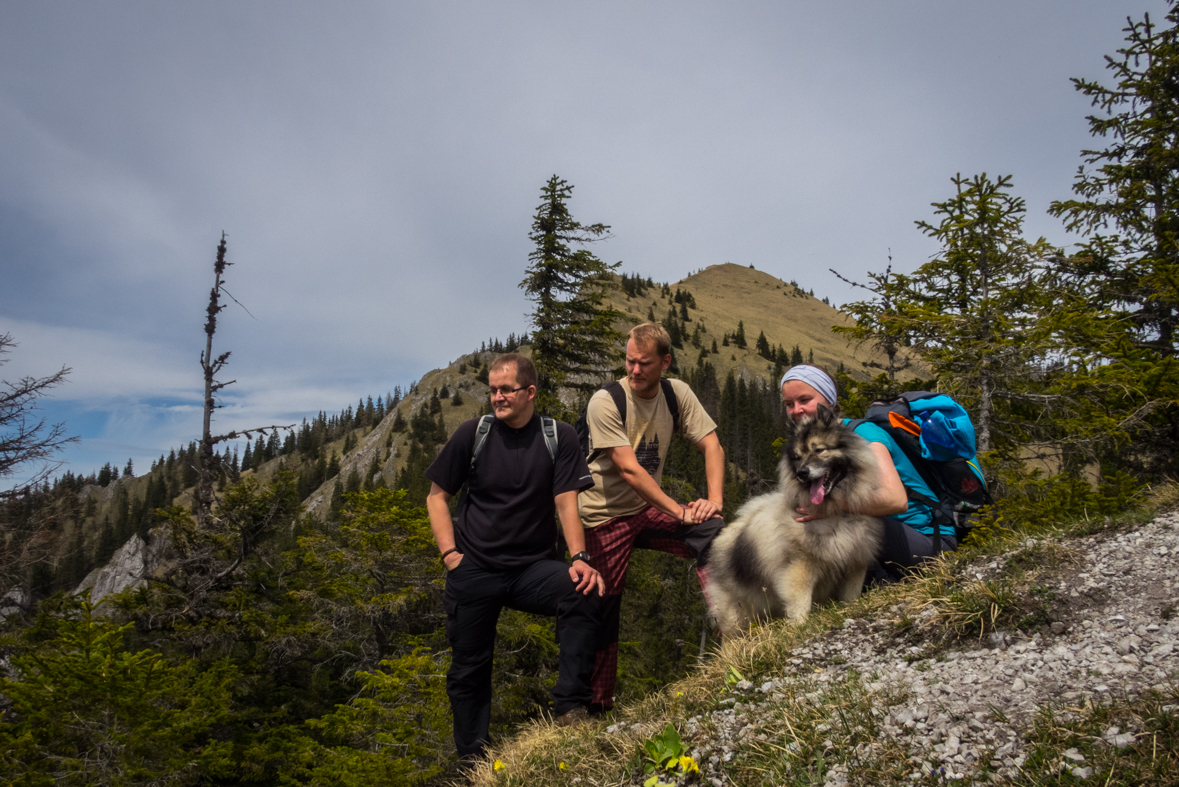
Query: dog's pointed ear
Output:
(825,415)
(790,428)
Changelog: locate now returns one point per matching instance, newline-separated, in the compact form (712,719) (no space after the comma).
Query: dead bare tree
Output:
(208,463)
(878,321)
(25,439)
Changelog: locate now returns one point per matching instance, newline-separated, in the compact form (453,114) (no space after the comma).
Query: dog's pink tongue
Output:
(817,492)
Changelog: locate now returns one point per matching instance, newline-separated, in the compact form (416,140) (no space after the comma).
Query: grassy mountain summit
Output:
(729,296)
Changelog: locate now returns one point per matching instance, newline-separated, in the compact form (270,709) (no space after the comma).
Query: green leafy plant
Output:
(665,755)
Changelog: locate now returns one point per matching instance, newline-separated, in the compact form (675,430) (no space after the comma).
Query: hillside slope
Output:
(721,297)
(1037,659)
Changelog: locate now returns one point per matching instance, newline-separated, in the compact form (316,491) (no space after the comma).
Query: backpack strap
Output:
(618,394)
(481,433)
(673,404)
(548,427)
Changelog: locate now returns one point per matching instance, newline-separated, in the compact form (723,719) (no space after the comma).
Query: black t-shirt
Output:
(507,520)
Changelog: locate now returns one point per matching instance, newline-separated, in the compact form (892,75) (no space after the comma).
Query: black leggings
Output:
(904,548)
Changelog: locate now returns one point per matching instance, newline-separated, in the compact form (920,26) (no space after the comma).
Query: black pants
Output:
(902,549)
(473,599)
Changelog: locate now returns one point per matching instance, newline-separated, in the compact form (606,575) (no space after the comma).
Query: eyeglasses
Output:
(508,391)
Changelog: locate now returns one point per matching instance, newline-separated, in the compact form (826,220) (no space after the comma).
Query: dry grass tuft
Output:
(1163,497)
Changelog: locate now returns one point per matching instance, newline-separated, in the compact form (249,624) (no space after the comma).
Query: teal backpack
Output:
(937,436)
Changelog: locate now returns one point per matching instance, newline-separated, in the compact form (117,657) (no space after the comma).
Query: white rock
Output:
(126,568)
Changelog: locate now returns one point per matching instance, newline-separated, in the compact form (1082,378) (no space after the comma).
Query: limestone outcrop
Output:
(127,567)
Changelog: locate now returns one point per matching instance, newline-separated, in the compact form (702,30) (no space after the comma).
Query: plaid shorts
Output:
(609,545)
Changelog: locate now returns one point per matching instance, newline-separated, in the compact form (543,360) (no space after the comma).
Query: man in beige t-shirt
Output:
(626,506)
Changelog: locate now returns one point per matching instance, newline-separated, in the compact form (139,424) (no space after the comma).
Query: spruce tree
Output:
(574,342)
(1125,281)
(763,346)
(739,336)
(333,468)
(972,308)
(1134,187)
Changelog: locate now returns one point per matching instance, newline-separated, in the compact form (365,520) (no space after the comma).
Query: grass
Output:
(812,730)
(1063,740)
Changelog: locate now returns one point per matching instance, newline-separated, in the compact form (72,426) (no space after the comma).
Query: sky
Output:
(376,167)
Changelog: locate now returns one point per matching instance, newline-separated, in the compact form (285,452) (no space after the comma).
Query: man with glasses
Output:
(501,549)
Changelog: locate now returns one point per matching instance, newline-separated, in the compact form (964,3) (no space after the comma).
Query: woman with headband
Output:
(908,524)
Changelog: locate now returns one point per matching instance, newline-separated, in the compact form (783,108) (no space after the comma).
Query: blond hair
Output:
(651,333)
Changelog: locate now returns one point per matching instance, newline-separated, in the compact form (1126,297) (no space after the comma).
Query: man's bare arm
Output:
(640,480)
(714,471)
(585,576)
(438,507)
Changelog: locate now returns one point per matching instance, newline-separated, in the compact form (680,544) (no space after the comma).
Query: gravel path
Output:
(1111,630)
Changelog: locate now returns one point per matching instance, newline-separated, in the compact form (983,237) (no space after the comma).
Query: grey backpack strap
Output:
(481,433)
(549,427)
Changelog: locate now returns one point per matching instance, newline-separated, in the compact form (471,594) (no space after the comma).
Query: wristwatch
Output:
(583,556)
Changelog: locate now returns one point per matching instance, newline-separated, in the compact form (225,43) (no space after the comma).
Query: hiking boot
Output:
(572,718)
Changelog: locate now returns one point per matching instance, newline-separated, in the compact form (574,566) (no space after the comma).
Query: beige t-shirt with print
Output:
(648,431)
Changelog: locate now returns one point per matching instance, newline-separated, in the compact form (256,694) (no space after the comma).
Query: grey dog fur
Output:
(765,563)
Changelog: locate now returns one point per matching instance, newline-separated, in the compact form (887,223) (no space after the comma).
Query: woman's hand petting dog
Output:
(808,514)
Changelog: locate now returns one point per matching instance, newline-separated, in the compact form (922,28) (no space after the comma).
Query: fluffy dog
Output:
(767,563)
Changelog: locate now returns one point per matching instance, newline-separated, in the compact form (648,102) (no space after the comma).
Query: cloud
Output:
(105,366)
(376,167)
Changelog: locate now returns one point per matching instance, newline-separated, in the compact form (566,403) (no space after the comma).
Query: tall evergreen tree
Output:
(1134,188)
(1130,277)
(763,346)
(574,342)
(972,308)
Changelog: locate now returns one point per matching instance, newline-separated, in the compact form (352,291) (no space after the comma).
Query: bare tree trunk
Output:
(986,384)
(207,459)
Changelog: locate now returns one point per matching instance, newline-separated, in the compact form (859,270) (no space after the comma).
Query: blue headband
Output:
(814,377)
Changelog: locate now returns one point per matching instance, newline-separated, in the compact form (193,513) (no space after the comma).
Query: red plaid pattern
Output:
(609,545)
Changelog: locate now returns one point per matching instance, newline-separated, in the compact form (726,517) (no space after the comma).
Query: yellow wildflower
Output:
(688,765)
(499,766)
(562,766)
